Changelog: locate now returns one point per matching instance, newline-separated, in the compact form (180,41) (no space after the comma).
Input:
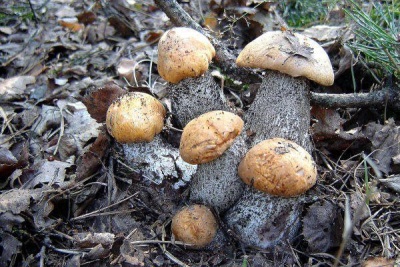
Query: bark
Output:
(281,108)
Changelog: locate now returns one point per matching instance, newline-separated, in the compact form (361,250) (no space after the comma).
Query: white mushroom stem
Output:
(216,183)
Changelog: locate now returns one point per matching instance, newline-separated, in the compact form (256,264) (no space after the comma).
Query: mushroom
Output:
(183,53)
(278,167)
(206,137)
(194,225)
(281,108)
(135,117)
(215,183)
(183,59)
(213,140)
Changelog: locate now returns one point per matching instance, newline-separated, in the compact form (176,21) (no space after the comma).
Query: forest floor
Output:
(68,197)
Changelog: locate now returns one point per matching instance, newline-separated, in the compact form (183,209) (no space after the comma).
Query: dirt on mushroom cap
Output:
(194,225)
(135,117)
(208,136)
(183,53)
(293,54)
(279,167)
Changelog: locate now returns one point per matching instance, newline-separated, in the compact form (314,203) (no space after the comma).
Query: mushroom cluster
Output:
(258,194)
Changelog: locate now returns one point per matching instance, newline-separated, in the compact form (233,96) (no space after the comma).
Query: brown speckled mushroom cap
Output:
(183,53)
(279,167)
(206,137)
(293,54)
(135,117)
(195,225)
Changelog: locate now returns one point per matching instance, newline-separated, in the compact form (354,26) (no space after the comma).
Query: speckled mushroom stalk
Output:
(282,105)
(280,109)
(183,58)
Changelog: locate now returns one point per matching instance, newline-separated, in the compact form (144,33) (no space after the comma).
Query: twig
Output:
(62,128)
(33,12)
(387,96)
(145,242)
(348,226)
(42,256)
(100,210)
(226,61)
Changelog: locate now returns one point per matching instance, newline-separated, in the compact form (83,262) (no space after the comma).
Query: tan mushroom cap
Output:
(293,54)
(206,137)
(194,225)
(135,117)
(183,53)
(279,167)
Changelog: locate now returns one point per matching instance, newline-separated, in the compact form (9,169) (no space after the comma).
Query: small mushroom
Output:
(194,225)
(278,167)
(135,117)
(206,137)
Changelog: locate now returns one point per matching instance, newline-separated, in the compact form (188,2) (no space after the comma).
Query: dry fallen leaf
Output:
(73,26)
(49,172)
(98,100)
(324,33)
(18,200)
(378,262)
(325,217)
(9,246)
(13,88)
(328,131)
(91,160)
(392,182)
(385,143)
(87,239)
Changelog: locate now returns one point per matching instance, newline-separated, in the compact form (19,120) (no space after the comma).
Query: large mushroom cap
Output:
(194,225)
(279,167)
(183,53)
(135,117)
(209,135)
(293,54)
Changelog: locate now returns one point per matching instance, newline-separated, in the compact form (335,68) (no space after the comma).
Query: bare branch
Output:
(386,97)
